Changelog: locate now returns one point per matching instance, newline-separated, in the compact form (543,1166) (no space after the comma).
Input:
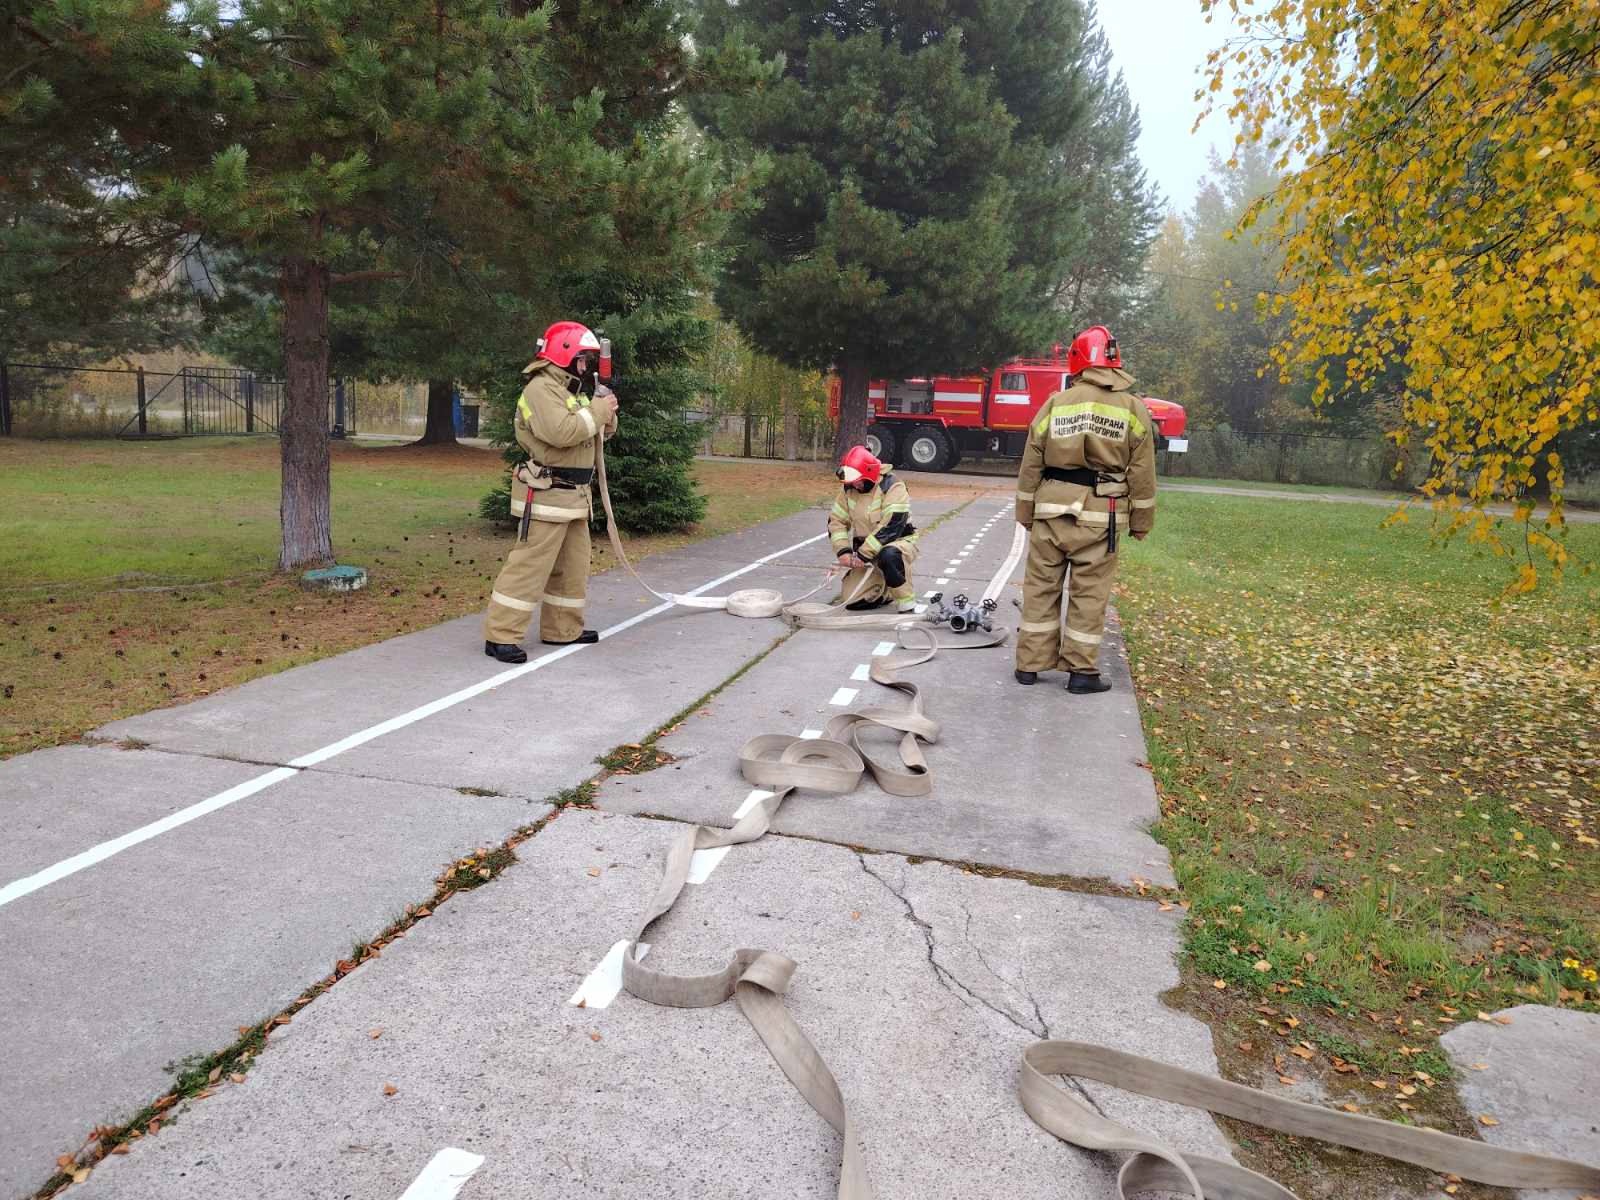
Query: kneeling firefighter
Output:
(563,409)
(1088,470)
(870,526)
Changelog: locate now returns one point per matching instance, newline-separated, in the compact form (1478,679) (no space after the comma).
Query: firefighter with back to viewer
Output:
(561,412)
(1088,473)
(870,527)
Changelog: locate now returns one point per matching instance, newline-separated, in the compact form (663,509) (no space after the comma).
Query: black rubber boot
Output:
(505,652)
(1028,677)
(866,605)
(587,638)
(1080,684)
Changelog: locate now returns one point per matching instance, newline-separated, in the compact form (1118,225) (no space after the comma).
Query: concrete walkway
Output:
(195,868)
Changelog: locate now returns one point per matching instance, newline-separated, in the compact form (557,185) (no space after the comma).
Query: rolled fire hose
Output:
(753,602)
(836,763)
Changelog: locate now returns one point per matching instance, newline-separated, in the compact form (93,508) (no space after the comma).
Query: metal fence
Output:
(41,400)
(762,436)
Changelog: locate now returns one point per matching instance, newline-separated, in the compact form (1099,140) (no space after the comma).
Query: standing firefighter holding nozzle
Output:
(563,409)
(1088,472)
(871,533)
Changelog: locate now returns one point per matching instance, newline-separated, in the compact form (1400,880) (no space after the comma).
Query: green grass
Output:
(1313,488)
(1377,775)
(139,574)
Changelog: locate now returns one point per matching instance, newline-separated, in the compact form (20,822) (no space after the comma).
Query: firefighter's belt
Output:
(559,476)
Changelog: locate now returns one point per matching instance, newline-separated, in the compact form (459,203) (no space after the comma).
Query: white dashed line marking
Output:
(755,797)
(883,648)
(605,981)
(860,673)
(842,697)
(445,1175)
(703,862)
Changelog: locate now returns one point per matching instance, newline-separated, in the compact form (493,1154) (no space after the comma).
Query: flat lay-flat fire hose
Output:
(757,980)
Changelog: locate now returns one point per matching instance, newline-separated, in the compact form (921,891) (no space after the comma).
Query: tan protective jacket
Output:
(855,515)
(558,429)
(1098,424)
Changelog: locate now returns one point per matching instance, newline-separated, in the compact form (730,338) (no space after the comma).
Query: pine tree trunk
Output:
(303,429)
(441,427)
(749,424)
(791,426)
(852,431)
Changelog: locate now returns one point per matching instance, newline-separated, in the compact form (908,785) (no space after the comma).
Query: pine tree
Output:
(923,200)
(75,280)
(348,143)
(637,61)
(656,337)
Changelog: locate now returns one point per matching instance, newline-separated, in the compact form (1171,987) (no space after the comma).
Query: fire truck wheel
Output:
(880,440)
(927,449)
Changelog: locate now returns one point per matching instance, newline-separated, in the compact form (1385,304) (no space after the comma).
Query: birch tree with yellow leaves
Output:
(1440,213)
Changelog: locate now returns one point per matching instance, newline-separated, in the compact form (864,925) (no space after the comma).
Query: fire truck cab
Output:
(929,424)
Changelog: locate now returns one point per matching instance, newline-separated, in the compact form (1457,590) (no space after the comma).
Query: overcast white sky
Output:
(1159,45)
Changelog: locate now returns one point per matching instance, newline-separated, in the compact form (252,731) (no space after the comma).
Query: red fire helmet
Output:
(857,464)
(1094,347)
(564,341)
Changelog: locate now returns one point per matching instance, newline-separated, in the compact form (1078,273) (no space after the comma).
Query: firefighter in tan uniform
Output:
(870,527)
(1088,472)
(557,424)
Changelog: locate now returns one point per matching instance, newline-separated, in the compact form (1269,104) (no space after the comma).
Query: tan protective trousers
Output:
(876,589)
(550,570)
(1054,545)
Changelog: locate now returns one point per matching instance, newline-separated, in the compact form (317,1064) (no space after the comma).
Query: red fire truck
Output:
(929,424)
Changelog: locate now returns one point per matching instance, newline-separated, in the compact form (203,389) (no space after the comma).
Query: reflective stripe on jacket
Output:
(875,518)
(1097,424)
(557,428)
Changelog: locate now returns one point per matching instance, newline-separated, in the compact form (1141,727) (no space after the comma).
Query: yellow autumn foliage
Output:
(1440,213)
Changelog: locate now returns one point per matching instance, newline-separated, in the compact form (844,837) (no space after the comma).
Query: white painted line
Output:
(842,697)
(962,556)
(703,862)
(755,797)
(955,562)
(78,862)
(527,668)
(860,673)
(603,983)
(810,735)
(882,648)
(445,1175)
(97,854)
(941,579)
(929,595)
